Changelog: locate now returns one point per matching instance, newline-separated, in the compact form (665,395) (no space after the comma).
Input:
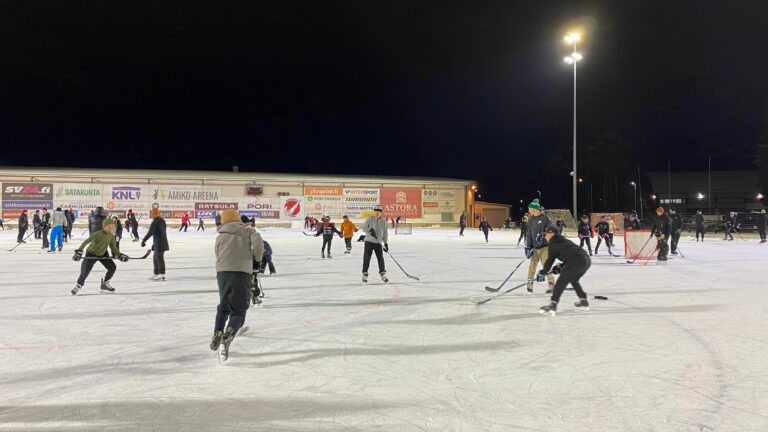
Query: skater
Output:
(611,230)
(348,230)
(118,230)
(730,224)
(762,222)
(536,244)
(23,226)
(462,223)
(217,220)
(575,264)
(561,226)
(98,243)
(602,228)
(585,233)
(96,219)
(184,222)
(45,225)
(237,247)
(634,222)
(159,244)
(485,227)
(201,224)
(699,225)
(327,229)
(266,260)
(375,228)
(523,227)
(306,222)
(58,223)
(676,229)
(70,217)
(36,224)
(661,230)
(131,219)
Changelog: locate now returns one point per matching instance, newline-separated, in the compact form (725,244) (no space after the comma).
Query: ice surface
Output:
(681,347)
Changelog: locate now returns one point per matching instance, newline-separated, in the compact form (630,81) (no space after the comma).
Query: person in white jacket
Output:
(58,223)
(375,229)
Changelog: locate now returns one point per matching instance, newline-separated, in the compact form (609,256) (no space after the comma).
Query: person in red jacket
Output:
(184,222)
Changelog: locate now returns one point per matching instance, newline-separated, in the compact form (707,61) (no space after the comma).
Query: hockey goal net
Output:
(639,245)
(403,228)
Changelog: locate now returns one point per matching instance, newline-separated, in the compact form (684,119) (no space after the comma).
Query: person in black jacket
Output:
(761,225)
(602,234)
(699,225)
(575,264)
(634,222)
(159,244)
(676,228)
(23,225)
(327,229)
(536,244)
(523,227)
(45,225)
(118,230)
(485,227)
(661,230)
(130,219)
(585,233)
(462,223)
(729,223)
(96,219)
(36,224)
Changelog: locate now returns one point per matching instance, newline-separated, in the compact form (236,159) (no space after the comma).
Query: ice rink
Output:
(680,347)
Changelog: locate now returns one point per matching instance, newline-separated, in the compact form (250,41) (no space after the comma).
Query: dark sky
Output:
(467,89)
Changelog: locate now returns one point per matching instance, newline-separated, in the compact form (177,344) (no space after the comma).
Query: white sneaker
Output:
(158,278)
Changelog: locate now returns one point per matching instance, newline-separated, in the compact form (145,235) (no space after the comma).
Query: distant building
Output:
(720,191)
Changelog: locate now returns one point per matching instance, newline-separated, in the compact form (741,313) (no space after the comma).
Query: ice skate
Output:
(216,339)
(158,278)
(106,287)
(365,278)
(384,277)
(529,286)
(550,287)
(76,289)
(551,308)
(329,255)
(322,255)
(582,304)
(226,340)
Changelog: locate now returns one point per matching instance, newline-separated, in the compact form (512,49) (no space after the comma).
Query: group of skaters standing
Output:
(54,229)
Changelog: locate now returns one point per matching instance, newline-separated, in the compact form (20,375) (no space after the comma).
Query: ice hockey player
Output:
(523,227)
(327,229)
(266,260)
(159,244)
(585,233)
(237,247)
(23,226)
(36,224)
(730,225)
(676,229)
(634,222)
(603,229)
(560,224)
(611,230)
(45,226)
(762,222)
(200,224)
(376,235)
(58,222)
(184,222)
(462,223)
(131,218)
(485,227)
(118,230)
(70,215)
(536,244)
(348,230)
(661,230)
(574,264)
(699,225)
(98,243)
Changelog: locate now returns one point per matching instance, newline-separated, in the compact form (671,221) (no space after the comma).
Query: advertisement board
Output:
(206,214)
(125,196)
(358,203)
(401,202)
(292,207)
(185,193)
(437,201)
(217,206)
(25,196)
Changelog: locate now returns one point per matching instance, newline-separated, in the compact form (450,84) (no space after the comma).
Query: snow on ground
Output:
(680,347)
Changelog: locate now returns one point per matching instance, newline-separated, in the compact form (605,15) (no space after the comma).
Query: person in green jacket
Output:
(98,243)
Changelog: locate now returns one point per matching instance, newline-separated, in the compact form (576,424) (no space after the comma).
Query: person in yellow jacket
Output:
(348,229)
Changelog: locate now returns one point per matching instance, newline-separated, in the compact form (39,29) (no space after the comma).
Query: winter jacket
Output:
(463,220)
(96,219)
(99,242)
(762,220)
(185,220)
(132,219)
(36,220)
(118,229)
(157,232)
(585,230)
(23,222)
(237,247)
(347,229)
(662,225)
(485,226)
(699,221)
(327,229)
(70,217)
(267,250)
(566,251)
(534,237)
(602,228)
(634,224)
(45,220)
(677,223)
(379,228)
(59,219)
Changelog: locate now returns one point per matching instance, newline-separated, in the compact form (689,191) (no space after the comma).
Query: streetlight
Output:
(634,186)
(574,58)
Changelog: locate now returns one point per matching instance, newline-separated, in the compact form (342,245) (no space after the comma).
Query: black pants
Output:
(610,239)
(461,230)
(571,274)
(45,237)
(761,231)
(663,250)
(348,243)
(37,231)
(20,237)
(135,231)
(234,299)
(675,240)
(486,235)
(728,233)
(600,238)
(367,251)
(201,227)
(522,235)
(158,260)
(183,227)
(585,239)
(266,260)
(327,241)
(87,266)
(699,230)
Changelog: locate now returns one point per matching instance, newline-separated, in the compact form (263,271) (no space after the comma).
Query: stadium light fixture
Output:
(700,196)
(760,196)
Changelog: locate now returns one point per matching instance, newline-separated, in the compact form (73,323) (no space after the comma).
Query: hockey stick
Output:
(149,251)
(638,253)
(21,242)
(681,252)
(308,235)
(608,245)
(484,301)
(401,267)
(490,289)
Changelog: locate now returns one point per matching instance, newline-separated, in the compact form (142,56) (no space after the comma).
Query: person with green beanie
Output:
(98,243)
(536,244)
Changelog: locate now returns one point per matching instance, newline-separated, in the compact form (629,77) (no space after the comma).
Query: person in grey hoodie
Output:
(237,247)
(58,222)
(375,229)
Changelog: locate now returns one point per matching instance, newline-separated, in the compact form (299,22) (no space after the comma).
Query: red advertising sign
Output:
(220,206)
(401,202)
(178,214)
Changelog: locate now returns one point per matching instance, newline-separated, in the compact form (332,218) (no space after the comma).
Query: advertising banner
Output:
(206,214)
(320,205)
(260,204)
(82,196)
(12,209)
(401,202)
(322,191)
(359,202)
(437,201)
(217,206)
(182,193)
(25,195)
(292,207)
(125,196)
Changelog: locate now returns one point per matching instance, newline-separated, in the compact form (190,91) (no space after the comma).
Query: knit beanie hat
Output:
(230,215)
(107,222)
(535,204)
(660,211)
(154,213)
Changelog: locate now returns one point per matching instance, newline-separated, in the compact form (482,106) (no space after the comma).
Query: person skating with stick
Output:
(485,227)
(327,229)
(536,244)
(23,226)
(574,264)
(376,235)
(98,243)
(699,225)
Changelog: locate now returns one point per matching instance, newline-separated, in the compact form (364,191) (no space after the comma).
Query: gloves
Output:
(123,257)
(372,232)
(541,276)
(78,255)
(557,268)
(143,244)
(386,247)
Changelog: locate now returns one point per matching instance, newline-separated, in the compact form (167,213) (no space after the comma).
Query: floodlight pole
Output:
(575,173)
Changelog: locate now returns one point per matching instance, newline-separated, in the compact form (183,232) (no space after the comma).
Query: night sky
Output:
(466,89)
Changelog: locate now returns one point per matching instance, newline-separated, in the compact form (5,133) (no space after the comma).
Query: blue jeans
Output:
(56,235)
